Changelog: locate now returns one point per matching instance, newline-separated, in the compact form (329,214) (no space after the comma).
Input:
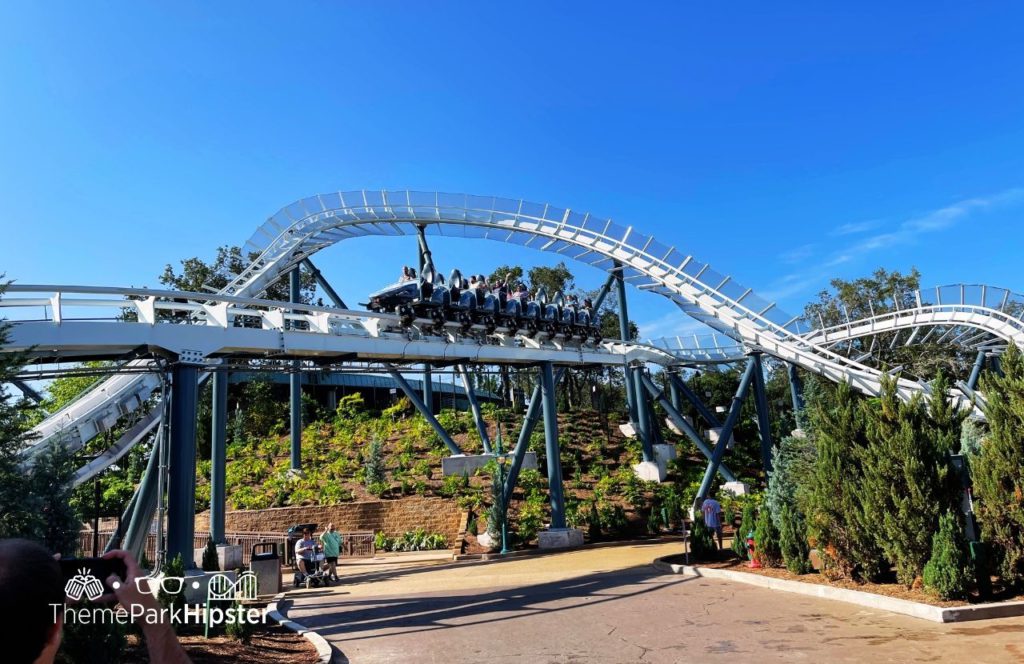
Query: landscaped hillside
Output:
(603,496)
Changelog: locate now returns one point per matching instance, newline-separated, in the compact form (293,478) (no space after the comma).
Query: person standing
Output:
(712,511)
(331,541)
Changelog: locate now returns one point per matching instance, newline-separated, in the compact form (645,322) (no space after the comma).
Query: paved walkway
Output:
(608,605)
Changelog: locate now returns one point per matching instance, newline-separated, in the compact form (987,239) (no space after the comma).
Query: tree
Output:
(198,276)
(947,573)
(211,563)
(551,279)
(787,498)
(376,476)
(882,292)
(903,492)
(766,538)
(702,543)
(747,523)
(999,468)
(511,273)
(837,525)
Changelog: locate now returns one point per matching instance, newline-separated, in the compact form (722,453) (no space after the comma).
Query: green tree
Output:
(747,523)
(879,293)
(947,573)
(903,491)
(766,538)
(837,525)
(198,276)
(788,496)
(512,273)
(376,475)
(551,279)
(702,542)
(999,468)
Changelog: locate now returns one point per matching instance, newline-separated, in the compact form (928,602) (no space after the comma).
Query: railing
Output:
(357,544)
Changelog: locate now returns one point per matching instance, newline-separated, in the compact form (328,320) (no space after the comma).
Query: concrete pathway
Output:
(608,605)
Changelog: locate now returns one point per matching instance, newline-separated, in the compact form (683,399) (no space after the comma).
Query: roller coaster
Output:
(431,320)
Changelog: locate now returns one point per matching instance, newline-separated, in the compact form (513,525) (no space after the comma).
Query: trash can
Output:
(266,565)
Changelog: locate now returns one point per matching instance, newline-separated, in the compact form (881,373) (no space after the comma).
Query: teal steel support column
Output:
(702,410)
(642,420)
(730,423)
(419,405)
(674,392)
(796,391)
(603,293)
(997,366)
(764,424)
(428,388)
(620,286)
(481,425)
(324,284)
(979,364)
(550,406)
(181,484)
(529,424)
(218,455)
(295,382)
(144,503)
(673,413)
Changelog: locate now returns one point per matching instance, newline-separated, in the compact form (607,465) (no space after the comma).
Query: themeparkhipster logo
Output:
(220,589)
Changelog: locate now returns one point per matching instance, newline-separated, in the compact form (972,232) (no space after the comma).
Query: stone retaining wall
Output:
(394,517)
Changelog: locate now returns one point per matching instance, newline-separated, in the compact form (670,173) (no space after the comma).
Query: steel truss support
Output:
(702,410)
(997,366)
(620,287)
(143,503)
(979,364)
(796,391)
(551,450)
(324,284)
(181,481)
(673,413)
(603,293)
(295,381)
(673,390)
(481,425)
(529,424)
(428,388)
(723,439)
(218,455)
(424,411)
(764,424)
(643,419)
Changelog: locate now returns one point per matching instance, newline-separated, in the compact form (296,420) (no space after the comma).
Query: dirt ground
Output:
(273,645)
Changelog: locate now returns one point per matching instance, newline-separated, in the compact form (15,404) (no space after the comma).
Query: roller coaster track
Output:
(305,227)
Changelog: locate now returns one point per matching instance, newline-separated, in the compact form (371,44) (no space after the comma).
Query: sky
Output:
(785,144)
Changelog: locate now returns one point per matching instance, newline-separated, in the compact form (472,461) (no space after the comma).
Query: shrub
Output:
(766,539)
(747,524)
(174,567)
(239,630)
(210,561)
(702,542)
(999,468)
(376,477)
(947,573)
(793,540)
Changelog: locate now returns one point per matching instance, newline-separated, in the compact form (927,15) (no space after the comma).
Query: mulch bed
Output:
(272,645)
(896,590)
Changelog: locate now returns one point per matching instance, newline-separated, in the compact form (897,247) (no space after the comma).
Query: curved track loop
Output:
(309,225)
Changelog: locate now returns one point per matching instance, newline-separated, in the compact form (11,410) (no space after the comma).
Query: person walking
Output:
(331,541)
(712,511)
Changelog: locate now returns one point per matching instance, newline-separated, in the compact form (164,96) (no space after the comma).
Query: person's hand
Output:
(125,590)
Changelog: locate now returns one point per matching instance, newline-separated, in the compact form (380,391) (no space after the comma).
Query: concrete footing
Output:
(229,557)
(714,433)
(468,464)
(657,470)
(672,425)
(736,488)
(560,538)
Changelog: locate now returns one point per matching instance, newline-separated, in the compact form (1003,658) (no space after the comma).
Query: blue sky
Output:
(784,144)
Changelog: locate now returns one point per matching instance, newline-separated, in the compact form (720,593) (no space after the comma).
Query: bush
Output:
(747,524)
(766,539)
(947,573)
(239,630)
(210,561)
(175,567)
(793,540)
(702,541)
(376,477)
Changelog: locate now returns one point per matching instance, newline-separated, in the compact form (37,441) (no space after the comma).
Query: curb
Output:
(871,600)
(324,650)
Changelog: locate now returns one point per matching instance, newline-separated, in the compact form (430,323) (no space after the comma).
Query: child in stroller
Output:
(310,564)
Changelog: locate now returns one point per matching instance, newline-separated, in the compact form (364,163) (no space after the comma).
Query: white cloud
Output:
(672,324)
(856,227)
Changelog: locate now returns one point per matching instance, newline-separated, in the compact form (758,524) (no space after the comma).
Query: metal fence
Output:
(354,545)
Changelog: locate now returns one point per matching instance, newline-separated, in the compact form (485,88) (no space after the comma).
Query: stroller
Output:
(308,573)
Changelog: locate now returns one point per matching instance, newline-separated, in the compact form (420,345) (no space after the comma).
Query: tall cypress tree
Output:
(903,491)
(999,468)
(836,522)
